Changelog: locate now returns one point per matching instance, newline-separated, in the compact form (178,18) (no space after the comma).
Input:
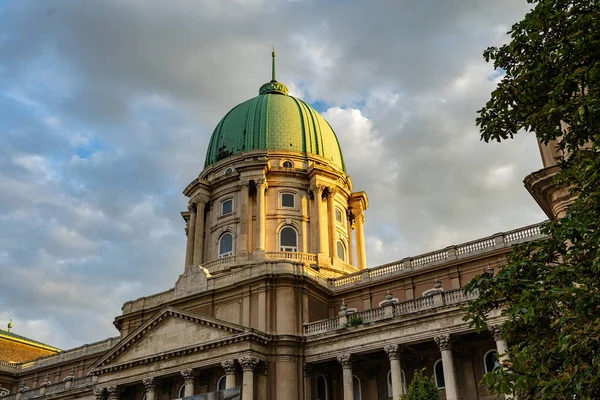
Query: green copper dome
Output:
(274,121)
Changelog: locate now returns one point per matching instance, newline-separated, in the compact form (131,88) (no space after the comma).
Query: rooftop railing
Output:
(451,253)
(397,309)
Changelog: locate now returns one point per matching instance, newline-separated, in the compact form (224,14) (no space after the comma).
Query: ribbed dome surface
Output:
(274,121)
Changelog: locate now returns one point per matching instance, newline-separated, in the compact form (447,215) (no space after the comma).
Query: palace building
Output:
(275,300)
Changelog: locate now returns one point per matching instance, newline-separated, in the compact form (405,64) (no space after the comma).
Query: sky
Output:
(106,109)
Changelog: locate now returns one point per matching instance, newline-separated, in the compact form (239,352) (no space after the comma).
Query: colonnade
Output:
(250,367)
(394,353)
(323,224)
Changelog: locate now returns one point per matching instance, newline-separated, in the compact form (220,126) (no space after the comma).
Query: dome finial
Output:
(10,325)
(273,66)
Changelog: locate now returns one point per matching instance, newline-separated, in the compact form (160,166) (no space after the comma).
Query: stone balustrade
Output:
(84,383)
(291,255)
(442,299)
(451,253)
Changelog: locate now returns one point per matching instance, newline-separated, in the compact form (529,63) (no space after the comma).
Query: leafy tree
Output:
(549,291)
(421,388)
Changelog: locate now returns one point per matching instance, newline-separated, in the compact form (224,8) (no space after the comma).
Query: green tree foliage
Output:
(421,387)
(550,289)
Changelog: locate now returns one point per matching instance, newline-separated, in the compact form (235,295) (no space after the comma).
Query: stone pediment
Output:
(168,331)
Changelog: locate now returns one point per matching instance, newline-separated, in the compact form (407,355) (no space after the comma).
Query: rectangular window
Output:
(287,200)
(227,207)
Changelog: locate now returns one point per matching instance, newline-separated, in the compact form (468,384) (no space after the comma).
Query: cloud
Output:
(106,109)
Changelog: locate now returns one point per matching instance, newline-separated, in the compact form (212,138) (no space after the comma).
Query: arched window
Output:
(322,388)
(181,392)
(490,361)
(288,164)
(438,370)
(288,239)
(227,207)
(145,396)
(341,250)
(389,382)
(221,383)
(226,245)
(338,216)
(357,392)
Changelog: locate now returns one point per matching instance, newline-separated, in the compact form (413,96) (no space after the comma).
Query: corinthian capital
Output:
(393,351)
(191,206)
(496,332)
(114,392)
(149,384)
(248,363)
(261,183)
(228,366)
(200,201)
(188,375)
(444,342)
(345,360)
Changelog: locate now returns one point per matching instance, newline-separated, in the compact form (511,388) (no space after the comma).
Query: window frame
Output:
(497,360)
(341,243)
(228,170)
(435,375)
(283,248)
(287,161)
(326,386)
(283,193)
(229,253)
(223,204)
(223,378)
(341,220)
(181,392)
(359,392)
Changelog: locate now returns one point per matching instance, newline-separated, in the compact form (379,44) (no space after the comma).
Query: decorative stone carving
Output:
(444,342)
(200,200)
(345,360)
(343,308)
(331,191)
(244,184)
(114,392)
(393,351)
(371,371)
(149,384)
(309,371)
(228,366)
(261,182)
(188,375)
(191,206)
(359,216)
(23,388)
(248,363)
(496,332)
(46,381)
(99,394)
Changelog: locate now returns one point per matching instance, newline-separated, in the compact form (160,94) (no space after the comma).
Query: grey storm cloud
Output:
(106,109)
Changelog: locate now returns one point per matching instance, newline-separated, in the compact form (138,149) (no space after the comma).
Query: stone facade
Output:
(275,301)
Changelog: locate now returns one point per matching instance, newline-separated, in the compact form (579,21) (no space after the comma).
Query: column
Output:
(350,224)
(248,364)
(320,231)
(346,361)
(308,379)
(189,378)
(243,205)
(361,254)
(191,233)
(261,217)
(199,231)
(229,367)
(332,234)
(150,386)
(114,392)
(502,348)
(394,351)
(444,342)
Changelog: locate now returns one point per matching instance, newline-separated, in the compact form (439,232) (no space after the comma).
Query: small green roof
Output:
(274,121)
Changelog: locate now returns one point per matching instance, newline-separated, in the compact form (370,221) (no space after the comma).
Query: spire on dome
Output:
(273,66)
(273,86)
